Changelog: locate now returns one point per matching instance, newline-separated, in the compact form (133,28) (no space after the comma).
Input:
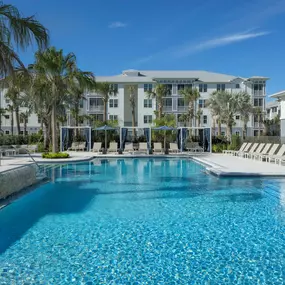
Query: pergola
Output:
(182,135)
(124,133)
(64,134)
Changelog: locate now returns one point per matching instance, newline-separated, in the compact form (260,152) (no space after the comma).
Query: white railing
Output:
(98,108)
(167,109)
(258,93)
(181,108)
(258,125)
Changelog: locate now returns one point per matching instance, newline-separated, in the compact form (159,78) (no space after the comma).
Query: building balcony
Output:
(96,109)
(167,109)
(182,109)
(258,125)
(258,93)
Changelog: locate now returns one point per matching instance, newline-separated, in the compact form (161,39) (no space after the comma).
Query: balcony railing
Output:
(98,108)
(167,109)
(182,109)
(258,93)
(258,125)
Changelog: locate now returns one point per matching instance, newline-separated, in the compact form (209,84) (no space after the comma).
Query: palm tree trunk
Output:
(54,128)
(258,121)
(229,132)
(244,131)
(18,120)
(214,126)
(159,110)
(219,127)
(25,127)
(134,122)
(105,111)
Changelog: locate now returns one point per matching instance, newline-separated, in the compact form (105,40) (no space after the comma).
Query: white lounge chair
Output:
(270,153)
(81,146)
(279,157)
(32,148)
(251,150)
(232,151)
(263,152)
(113,147)
(74,146)
(143,147)
(257,151)
(96,147)
(246,148)
(129,147)
(157,147)
(173,147)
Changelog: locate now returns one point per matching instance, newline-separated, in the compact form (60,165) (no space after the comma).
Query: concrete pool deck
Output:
(227,165)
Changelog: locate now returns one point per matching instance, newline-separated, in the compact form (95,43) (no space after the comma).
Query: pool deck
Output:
(227,165)
(216,164)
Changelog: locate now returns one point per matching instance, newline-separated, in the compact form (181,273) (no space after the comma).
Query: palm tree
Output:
(132,89)
(24,116)
(10,108)
(258,114)
(2,112)
(17,32)
(105,89)
(214,105)
(198,115)
(159,93)
(244,109)
(190,95)
(184,118)
(55,73)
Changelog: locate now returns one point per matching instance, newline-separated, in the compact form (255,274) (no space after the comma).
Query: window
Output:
(147,87)
(258,102)
(7,101)
(39,120)
(223,133)
(237,117)
(113,103)
(81,120)
(221,87)
(181,102)
(268,111)
(203,88)
(7,117)
(258,87)
(169,88)
(147,103)
(7,132)
(183,86)
(21,132)
(147,119)
(237,133)
(21,120)
(274,109)
(113,117)
(202,103)
(205,119)
(114,88)
(237,86)
(81,103)
(255,133)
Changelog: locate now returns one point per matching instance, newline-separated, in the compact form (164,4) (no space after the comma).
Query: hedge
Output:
(20,139)
(56,155)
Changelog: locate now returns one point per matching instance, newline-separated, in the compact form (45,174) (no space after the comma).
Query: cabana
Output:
(204,135)
(67,135)
(124,135)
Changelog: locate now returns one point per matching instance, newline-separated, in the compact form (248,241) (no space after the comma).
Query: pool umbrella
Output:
(164,128)
(105,128)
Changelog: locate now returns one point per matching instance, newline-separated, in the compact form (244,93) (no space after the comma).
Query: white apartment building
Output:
(119,107)
(273,110)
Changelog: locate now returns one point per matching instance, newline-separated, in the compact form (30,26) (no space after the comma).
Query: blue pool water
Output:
(144,221)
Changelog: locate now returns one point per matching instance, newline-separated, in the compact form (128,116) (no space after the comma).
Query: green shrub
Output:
(236,142)
(20,139)
(40,147)
(56,155)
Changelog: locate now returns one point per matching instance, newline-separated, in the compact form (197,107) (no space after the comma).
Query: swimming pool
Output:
(144,221)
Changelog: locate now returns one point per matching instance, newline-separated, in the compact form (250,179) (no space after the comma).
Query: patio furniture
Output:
(270,153)
(143,147)
(251,150)
(194,147)
(232,151)
(157,147)
(32,148)
(113,147)
(81,146)
(237,152)
(74,146)
(278,157)
(173,147)
(263,152)
(96,147)
(258,151)
(129,147)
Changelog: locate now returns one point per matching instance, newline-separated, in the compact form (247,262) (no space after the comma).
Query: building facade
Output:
(119,107)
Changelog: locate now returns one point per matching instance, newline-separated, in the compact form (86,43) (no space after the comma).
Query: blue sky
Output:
(242,38)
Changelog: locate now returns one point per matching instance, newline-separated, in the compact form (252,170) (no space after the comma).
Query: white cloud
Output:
(116,25)
(217,42)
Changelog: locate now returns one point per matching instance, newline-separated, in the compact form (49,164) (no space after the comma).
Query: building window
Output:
(202,103)
(183,86)
(169,89)
(237,86)
(39,120)
(147,87)
(147,119)
(258,102)
(237,133)
(221,87)
(274,109)
(114,88)
(147,103)
(205,119)
(113,103)
(181,102)
(7,117)
(81,120)
(255,133)
(203,88)
(223,133)
(113,117)
(258,87)
(237,117)
(21,132)
(81,103)
(167,102)
(7,132)
(268,111)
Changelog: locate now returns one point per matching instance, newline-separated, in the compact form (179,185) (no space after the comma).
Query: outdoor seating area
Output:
(10,150)
(260,151)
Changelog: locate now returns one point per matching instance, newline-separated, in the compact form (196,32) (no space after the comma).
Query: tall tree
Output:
(216,109)
(190,95)
(10,108)
(2,112)
(56,72)
(132,90)
(17,32)
(159,92)
(245,109)
(199,115)
(106,89)
(24,116)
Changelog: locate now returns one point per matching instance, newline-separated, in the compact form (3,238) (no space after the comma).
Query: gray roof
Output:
(145,76)
(272,104)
